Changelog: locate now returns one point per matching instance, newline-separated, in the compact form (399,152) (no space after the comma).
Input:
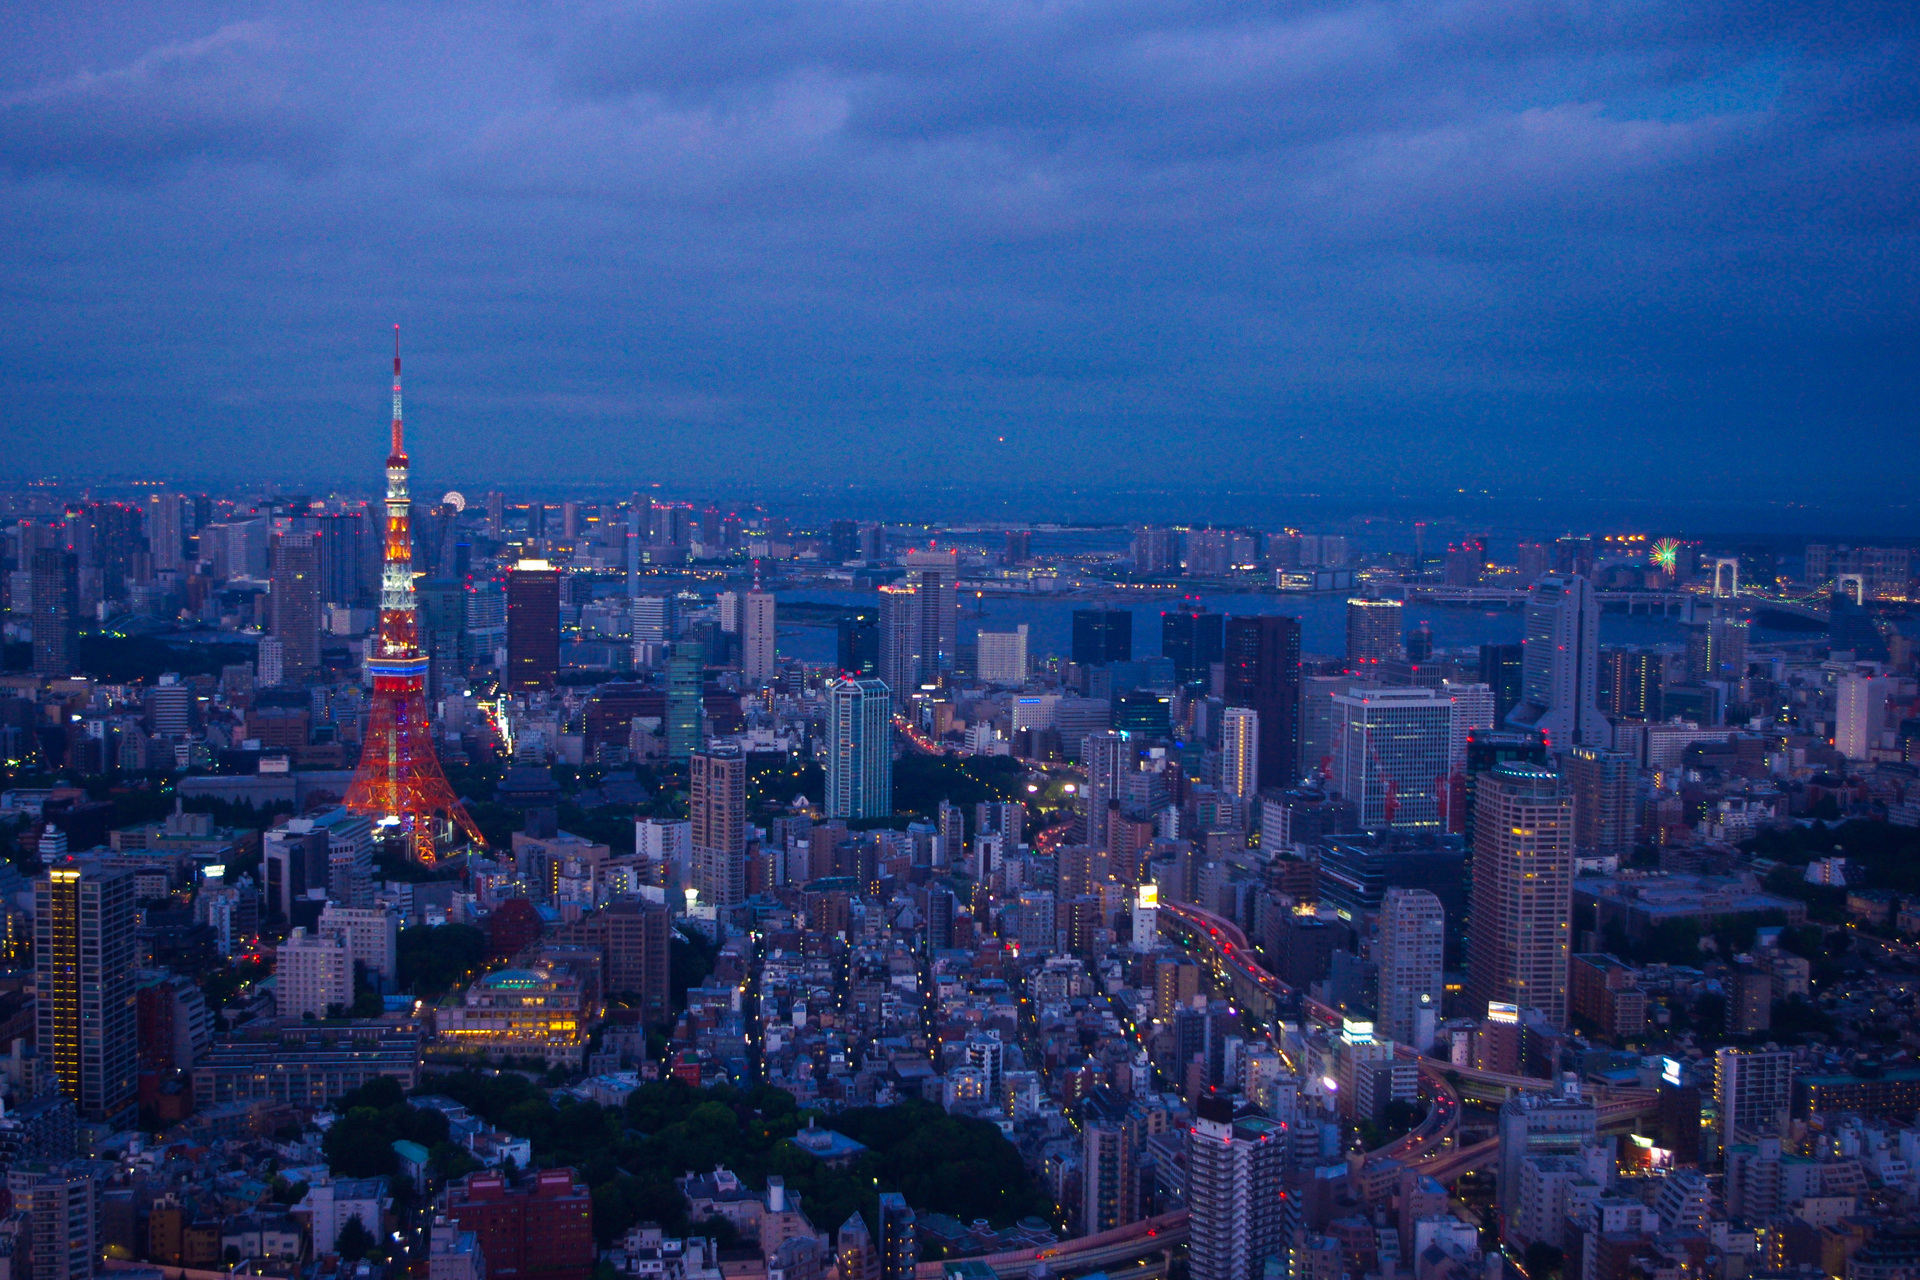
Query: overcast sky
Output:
(1658,247)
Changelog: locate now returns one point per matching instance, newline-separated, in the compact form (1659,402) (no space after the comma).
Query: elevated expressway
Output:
(1428,1149)
(1137,1250)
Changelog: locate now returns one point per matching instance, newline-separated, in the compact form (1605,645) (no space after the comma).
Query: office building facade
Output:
(1262,657)
(1560,667)
(1101,636)
(533,626)
(1390,755)
(1193,640)
(295,603)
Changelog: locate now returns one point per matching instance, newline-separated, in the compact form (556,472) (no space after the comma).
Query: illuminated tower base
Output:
(399,782)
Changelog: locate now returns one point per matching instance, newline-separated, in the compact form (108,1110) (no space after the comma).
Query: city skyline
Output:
(1148,640)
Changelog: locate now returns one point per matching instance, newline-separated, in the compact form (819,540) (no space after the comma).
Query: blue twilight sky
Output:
(1654,247)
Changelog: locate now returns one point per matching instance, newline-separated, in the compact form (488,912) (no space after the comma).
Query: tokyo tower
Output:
(400,783)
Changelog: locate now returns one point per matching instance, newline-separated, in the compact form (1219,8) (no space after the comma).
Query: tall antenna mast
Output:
(399,446)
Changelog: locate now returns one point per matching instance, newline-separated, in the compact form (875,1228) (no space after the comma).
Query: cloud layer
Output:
(1511,245)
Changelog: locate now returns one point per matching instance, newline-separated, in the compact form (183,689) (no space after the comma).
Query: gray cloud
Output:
(223,97)
(1356,242)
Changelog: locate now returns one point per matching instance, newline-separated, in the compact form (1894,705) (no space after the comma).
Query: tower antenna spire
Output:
(399,443)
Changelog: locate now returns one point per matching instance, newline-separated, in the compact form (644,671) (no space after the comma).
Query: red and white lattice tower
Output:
(399,782)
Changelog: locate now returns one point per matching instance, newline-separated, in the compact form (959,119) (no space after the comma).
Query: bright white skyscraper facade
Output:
(1390,755)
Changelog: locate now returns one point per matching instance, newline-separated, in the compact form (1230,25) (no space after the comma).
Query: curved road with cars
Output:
(1227,944)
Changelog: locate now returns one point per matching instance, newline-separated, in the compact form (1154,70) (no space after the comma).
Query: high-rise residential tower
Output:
(1602,785)
(859,749)
(717,807)
(1560,668)
(901,660)
(934,576)
(1240,752)
(1110,1194)
(1237,1203)
(1630,683)
(1413,940)
(1521,930)
(83,967)
(757,636)
(1754,1091)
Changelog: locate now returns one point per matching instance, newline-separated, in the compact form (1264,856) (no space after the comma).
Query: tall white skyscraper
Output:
(859,749)
(1560,665)
(1413,940)
(1390,754)
(756,637)
(1240,752)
